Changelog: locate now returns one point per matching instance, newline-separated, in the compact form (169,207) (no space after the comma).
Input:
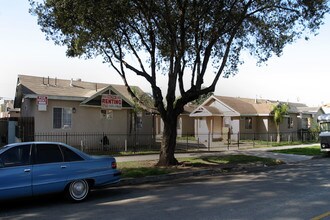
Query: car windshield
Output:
(325,126)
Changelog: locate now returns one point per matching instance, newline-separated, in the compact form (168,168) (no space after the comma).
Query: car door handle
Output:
(63,166)
(27,170)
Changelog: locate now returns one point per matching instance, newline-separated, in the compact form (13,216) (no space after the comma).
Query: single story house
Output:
(233,118)
(94,113)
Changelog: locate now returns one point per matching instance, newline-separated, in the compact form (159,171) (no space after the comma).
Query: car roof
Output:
(84,155)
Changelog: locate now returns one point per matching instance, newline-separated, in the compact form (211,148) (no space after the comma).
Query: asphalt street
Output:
(294,191)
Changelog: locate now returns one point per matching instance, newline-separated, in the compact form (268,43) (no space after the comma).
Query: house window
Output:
(290,122)
(304,123)
(107,114)
(62,118)
(248,122)
(139,120)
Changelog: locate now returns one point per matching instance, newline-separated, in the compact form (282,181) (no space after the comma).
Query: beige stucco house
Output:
(234,118)
(51,106)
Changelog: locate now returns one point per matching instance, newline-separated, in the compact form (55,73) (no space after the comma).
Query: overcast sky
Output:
(301,74)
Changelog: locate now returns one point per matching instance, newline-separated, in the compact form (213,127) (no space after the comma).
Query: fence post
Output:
(208,142)
(187,142)
(66,137)
(82,145)
(238,138)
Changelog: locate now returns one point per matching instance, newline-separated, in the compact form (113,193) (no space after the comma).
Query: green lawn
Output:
(148,168)
(310,151)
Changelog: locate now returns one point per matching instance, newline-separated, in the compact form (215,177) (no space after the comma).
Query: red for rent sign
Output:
(111,102)
(42,100)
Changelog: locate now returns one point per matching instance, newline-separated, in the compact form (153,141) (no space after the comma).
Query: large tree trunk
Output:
(278,139)
(166,157)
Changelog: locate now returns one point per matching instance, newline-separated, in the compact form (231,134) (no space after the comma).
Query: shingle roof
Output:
(34,85)
(246,106)
(308,109)
(189,108)
(58,87)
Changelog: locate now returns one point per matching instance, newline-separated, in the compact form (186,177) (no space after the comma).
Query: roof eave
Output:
(53,97)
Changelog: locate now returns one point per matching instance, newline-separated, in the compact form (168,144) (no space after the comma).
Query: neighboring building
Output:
(8,121)
(222,118)
(308,117)
(49,106)
(185,124)
(7,109)
(326,108)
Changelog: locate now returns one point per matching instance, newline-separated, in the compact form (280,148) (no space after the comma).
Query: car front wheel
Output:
(78,190)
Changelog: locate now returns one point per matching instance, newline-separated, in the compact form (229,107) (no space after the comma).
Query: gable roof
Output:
(310,110)
(78,90)
(245,106)
(203,111)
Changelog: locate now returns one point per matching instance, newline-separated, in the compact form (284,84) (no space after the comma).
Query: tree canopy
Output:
(186,40)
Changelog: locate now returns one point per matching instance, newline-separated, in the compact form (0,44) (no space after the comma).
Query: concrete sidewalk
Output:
(259,152)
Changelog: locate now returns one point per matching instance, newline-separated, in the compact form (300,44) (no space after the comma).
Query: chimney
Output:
(55,81)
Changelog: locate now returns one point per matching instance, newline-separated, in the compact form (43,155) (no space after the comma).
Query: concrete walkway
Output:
(259,152)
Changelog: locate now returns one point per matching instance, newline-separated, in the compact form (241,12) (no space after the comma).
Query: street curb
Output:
(164,177)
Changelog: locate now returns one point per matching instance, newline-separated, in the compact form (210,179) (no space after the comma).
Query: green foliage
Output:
(185,40)
(173,36)
(147,168)
(279,111)
(202,98)
(143,171)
